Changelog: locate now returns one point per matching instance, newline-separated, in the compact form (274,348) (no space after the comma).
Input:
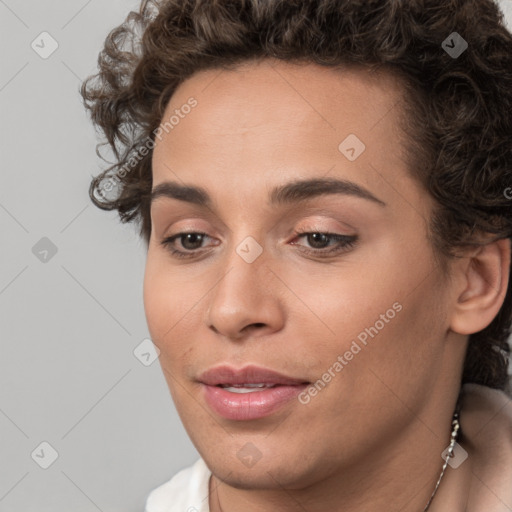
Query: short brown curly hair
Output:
(458,109)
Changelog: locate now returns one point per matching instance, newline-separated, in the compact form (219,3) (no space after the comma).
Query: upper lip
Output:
(250,374)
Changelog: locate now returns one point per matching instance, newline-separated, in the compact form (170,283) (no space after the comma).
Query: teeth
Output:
(248,385)
(246,388)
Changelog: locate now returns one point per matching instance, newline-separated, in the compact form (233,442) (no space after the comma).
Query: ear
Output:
(481,286)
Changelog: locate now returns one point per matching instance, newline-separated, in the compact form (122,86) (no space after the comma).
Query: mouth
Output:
(242,403)
(248,393)
(248,388)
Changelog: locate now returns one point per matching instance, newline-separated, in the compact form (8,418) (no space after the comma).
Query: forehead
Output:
(264,118)
(309,88)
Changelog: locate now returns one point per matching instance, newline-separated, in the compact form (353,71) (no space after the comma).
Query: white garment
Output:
(187,491)
(482,484)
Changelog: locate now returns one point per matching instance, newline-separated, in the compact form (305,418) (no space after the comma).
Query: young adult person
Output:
(324,190)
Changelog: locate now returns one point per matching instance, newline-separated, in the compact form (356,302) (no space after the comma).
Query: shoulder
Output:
(186,491)
(486,429)
(486,414)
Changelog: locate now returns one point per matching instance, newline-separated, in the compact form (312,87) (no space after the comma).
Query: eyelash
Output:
(344,243)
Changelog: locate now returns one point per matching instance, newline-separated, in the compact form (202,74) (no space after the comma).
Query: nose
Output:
(245,302)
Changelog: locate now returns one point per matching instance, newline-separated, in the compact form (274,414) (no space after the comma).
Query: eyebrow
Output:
(292,192)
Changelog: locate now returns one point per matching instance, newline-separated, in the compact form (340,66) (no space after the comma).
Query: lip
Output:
(250,374)
(250,406)
(253,405)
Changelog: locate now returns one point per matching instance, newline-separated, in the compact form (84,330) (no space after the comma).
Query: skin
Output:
(373,436)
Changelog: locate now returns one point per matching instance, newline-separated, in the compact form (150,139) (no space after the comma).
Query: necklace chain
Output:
(449,455)
(449,452)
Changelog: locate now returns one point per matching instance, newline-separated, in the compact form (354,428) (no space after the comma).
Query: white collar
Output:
(187,491)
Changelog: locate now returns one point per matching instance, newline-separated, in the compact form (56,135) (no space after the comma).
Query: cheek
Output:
(171,305)
(402,337)
(339,302)
(390,306)
(153,303)
(161,301)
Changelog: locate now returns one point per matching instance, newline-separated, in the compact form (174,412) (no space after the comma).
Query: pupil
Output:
(314,240)
(189,237)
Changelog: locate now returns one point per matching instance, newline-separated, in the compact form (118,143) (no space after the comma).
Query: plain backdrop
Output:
(86,423)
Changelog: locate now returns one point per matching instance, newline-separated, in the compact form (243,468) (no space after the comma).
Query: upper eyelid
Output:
(313,217)
(294,213)
(295,232)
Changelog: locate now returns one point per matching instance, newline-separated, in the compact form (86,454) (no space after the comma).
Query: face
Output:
(357,307)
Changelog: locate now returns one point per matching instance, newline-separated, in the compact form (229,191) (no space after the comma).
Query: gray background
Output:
(70,323)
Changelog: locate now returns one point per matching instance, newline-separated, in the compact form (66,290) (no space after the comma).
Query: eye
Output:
(191,241)
(320,242)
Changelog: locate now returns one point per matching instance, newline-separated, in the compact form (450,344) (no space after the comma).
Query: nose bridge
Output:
(244,293)
(244,268)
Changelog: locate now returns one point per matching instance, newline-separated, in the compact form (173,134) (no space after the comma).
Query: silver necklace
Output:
(449,455)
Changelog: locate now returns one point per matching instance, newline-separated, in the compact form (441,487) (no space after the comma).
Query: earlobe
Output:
(485,286)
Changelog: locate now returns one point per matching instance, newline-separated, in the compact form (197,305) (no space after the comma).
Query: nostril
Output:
(254,326)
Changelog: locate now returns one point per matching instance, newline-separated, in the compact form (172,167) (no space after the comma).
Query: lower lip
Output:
(249,406)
